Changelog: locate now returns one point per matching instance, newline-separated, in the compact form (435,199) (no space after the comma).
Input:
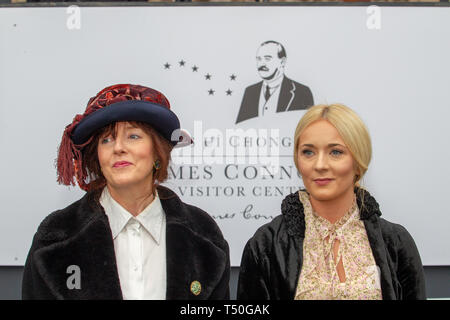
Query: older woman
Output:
(330,241)
(128,237)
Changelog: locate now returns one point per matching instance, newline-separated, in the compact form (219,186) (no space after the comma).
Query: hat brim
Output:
(162,119)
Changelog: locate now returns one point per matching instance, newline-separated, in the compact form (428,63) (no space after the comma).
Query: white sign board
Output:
(390,64)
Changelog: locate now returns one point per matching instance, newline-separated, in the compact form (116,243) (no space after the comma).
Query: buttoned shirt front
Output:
(140,248)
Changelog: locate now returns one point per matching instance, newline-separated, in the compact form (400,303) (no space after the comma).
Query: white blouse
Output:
(140,247)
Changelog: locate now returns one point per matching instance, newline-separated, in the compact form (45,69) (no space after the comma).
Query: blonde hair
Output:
(350,127)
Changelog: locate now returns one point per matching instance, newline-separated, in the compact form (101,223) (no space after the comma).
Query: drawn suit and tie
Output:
(276,93)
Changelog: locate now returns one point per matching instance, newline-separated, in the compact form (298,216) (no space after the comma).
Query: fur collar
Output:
(80,235)
(292,210)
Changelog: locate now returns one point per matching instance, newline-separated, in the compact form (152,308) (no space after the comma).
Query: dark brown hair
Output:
(161,148)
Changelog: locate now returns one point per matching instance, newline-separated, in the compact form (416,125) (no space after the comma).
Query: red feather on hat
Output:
(70,159)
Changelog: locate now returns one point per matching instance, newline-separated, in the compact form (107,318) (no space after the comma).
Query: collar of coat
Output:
(292,210)
(80,236)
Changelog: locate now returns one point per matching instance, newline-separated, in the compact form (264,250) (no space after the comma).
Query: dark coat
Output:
(272,258)
(80,235)
(293,96)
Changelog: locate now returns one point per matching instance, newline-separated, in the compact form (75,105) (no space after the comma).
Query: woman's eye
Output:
(307,152)
(134,136)
(336,152)
(105,140)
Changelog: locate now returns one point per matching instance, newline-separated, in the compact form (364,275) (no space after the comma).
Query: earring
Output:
(157,165)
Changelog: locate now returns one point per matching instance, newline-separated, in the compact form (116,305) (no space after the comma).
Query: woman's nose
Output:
(321,161)
(119,144)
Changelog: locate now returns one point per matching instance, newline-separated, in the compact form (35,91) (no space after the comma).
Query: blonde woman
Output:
(330,241)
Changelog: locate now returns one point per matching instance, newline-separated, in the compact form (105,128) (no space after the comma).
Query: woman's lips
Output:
(121,164)
(322,182)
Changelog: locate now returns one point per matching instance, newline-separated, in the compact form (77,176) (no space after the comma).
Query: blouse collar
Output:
(151,218)
(322,225)
(292,210)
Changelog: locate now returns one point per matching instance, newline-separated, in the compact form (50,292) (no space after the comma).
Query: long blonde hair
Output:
(350,127)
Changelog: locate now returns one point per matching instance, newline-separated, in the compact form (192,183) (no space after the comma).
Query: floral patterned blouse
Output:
(319,279)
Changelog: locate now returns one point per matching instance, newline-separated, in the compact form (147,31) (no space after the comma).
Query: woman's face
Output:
(326,165)
(126,160)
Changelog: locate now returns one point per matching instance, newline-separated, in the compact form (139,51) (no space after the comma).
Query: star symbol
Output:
(182,63)
(228,92)
(233,77)
(208,76)
(194,69)
(167,66)
(211,92)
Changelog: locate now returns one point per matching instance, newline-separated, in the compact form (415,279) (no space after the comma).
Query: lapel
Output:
(292,210)
(294,265)
(191,257)
(90,249)
(370,213)
(287,94)
(378,246)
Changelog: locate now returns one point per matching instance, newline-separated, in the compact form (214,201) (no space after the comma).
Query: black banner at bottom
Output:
(265,310)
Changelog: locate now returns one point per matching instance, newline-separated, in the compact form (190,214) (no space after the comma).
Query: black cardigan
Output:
(272,258)
(80,235)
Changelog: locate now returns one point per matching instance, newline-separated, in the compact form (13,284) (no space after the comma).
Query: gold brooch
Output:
(196,287)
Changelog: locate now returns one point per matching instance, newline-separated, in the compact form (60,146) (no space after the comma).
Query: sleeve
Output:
(410,271)
(251,284)
(33,286)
